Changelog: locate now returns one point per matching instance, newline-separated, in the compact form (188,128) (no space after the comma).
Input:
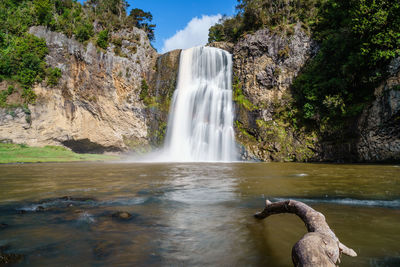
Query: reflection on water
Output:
(192,214)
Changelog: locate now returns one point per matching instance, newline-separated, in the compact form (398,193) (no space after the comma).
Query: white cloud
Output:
(194,34)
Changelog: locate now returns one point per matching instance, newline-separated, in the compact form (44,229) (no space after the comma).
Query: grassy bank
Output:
(12,153)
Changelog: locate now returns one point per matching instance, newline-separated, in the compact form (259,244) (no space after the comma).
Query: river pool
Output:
(192,214)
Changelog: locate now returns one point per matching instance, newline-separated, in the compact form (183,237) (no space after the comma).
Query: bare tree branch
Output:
(320,246)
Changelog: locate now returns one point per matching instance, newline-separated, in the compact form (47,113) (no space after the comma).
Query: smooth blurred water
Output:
(200,124)
(187,214)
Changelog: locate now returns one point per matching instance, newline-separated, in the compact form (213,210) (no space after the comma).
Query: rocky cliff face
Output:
(265,65)
(162,83)
(119,99)
(379,124)
(96,105)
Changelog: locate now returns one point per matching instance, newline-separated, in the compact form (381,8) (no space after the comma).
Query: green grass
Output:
(12,153)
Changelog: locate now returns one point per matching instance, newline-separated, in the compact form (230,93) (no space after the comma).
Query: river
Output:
(192,214)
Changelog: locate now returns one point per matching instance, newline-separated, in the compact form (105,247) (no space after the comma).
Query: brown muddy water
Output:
(192,214)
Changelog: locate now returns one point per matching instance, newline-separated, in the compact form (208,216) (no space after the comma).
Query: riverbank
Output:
(19,153)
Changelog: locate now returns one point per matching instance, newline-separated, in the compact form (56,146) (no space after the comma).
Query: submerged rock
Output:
(103,249)
(122,215)
(69,198)
(40,208)
(59,204)
(9,258)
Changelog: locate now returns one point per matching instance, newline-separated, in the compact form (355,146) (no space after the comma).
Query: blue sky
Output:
(172,16)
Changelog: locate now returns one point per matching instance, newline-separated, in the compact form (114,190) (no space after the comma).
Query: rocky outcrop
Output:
(265,65)
(223,45)
(379,124)
(162,83)
(119,99)
(96,105)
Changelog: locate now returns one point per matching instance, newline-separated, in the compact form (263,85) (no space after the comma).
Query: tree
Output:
(43,10)
(142,20)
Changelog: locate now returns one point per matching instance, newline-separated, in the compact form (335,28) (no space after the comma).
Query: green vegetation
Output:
(244,132)
(278,139)
(22,55)
(4,94)
(357,40)
(22,60)
(144,90)
(138,146)
(53,74)
(277,15)
(148,100)
(102,39)
(160,133)
(239,97)
(83,32)
(142,20)
(12,153)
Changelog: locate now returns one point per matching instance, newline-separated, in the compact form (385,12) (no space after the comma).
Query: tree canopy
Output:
(22,56)
(357,40)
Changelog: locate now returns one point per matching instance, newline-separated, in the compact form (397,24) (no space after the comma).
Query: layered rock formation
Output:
(119,99)
(379,124)
(162,83)
(265,65)
(96,105)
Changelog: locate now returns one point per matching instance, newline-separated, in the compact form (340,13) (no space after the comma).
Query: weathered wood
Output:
(320,246)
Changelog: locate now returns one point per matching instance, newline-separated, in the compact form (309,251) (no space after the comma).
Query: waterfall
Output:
(200,124)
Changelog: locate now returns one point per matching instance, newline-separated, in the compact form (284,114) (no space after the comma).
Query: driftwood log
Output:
(320,246)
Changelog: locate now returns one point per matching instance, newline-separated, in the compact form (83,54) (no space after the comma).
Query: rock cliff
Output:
(96,105)
(119,99)
(162,83)
(379,124)
(265,65)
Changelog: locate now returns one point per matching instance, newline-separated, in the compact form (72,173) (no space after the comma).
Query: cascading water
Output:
(200,125)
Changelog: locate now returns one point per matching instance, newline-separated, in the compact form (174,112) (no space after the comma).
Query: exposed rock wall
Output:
(162,83)
(96,106)
(265,65)
(101,104)
(379,124)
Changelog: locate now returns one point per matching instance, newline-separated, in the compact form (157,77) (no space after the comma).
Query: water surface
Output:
(192,214)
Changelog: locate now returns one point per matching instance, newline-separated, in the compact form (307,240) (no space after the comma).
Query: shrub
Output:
(83,32)
(43,10)
(145,90)
(53,75)
(102,39)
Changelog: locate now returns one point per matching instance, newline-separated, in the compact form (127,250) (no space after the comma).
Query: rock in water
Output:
(122,215)
(9,258)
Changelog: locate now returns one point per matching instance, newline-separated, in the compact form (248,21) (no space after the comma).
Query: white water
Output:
(200,124)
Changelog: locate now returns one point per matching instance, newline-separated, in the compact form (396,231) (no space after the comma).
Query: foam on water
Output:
(349,202)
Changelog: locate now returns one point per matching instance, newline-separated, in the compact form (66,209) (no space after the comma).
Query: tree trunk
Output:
(320,246)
